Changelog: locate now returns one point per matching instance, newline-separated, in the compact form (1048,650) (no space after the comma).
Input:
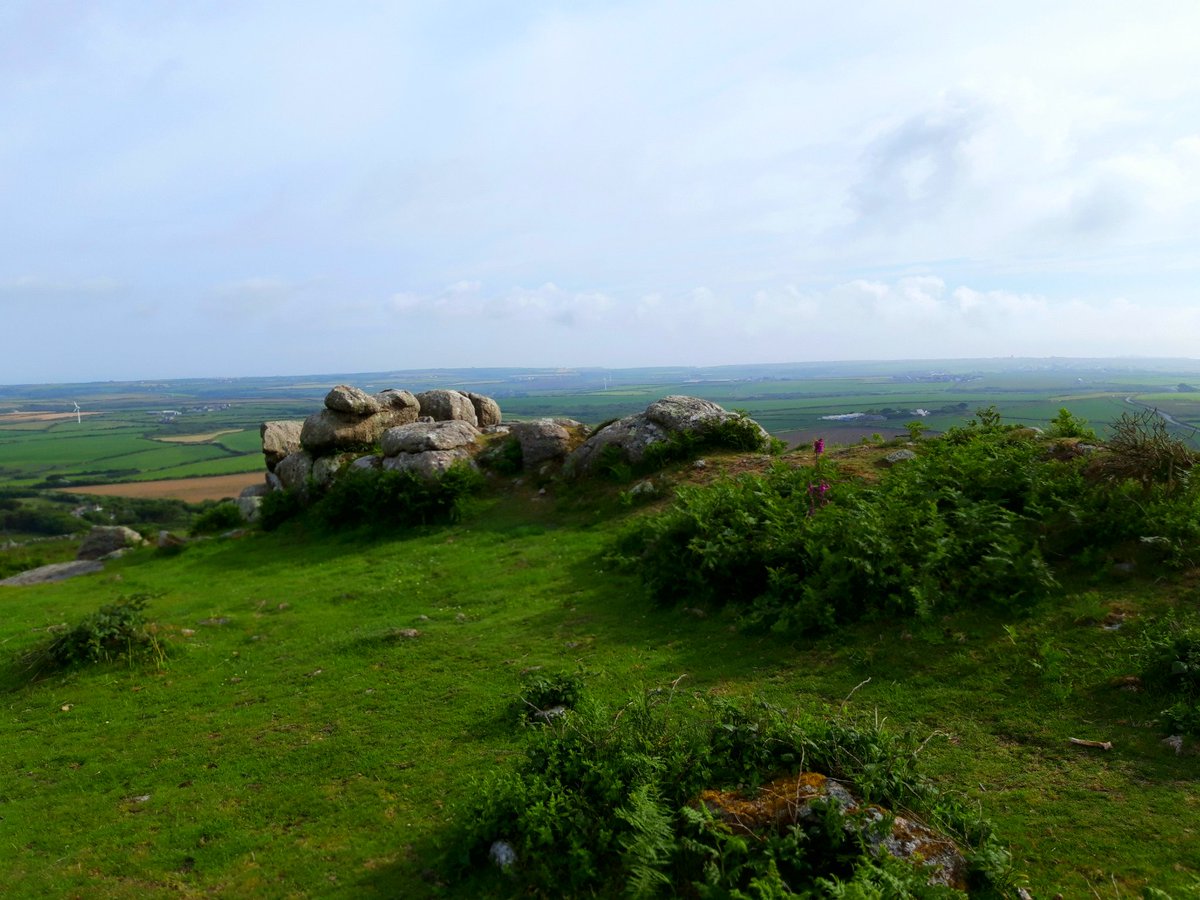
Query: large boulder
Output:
(347,399)
(279,439)
(419,437)
(633,435)
(430,464)
(445,406)
(487,410)
(679,413)
(293,473)
(325,468)
(54,572)
(397,400)
(329,431)
(545,440)
(105,539)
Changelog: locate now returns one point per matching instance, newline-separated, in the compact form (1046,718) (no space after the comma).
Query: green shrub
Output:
(1067,425)
(279,506)
(543,695)
(1169,659)
(115,631)
(503,458)
(389,499)
(1142,450)
(605,804)
(221,517)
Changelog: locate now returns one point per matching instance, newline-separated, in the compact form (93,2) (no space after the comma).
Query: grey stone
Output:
(898,456)
(631,435)
(679,413)
(419,437)
(273,482)
(256,490)
(398,401)
(328,431)
(370,461)
(429,464)
(294,471)
(347,399)
(54,572)
(248,507)
(104,539)
(541,440)
(325,468)
(279,439)
(487,410)
(445,406)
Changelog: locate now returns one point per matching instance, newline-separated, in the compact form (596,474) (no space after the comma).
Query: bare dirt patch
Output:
(199,438)
(193,490)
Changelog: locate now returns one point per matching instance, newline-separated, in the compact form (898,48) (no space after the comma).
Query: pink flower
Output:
(819,446)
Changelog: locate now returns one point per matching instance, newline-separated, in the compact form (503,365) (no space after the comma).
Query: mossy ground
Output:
(297,744)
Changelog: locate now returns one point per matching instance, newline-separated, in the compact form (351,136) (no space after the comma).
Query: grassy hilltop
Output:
(997,637)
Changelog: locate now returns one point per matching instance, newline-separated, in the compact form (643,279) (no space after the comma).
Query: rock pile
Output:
(393,429)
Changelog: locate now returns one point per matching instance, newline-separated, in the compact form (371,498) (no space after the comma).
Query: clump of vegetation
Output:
(380,499)
(503,457)
(1068,425)
(545,696)
(606,803)
(221,517)
(115,631)
(1170,668)
(978,517)
(1142,450)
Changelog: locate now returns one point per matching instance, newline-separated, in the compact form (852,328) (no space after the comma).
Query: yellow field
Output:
(199,438)
(193,490)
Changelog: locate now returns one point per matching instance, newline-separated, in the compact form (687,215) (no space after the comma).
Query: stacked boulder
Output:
(425,433)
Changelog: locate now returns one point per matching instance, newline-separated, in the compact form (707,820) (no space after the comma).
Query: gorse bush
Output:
(606,803)
(976,518)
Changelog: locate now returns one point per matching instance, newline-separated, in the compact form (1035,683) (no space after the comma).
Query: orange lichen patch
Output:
(785,801)
(790,800)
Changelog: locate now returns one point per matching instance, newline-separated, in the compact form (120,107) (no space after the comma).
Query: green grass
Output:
(303,748)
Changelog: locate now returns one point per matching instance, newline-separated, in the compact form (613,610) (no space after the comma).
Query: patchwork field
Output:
(190,490)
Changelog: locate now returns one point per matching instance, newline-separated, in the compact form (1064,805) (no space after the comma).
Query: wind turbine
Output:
(78,415)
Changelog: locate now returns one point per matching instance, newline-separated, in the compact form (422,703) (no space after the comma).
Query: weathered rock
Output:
(325,468)
(630,435)
(249,507)
(54,572)
(430,464)
(294,471)
(348,399)
(398,400)
(370,461)
(273,482)
(445,406)
(799,799)
(256,490)
(167,540)
(279,439)
(419,437)
(544,440)
(897,456)
(679,413)
(487,410)
(105,539)
(329,431)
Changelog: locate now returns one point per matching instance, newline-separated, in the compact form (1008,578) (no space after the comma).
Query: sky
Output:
(194,189)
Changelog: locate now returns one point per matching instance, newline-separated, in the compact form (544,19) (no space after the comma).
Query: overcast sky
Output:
(252,188)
